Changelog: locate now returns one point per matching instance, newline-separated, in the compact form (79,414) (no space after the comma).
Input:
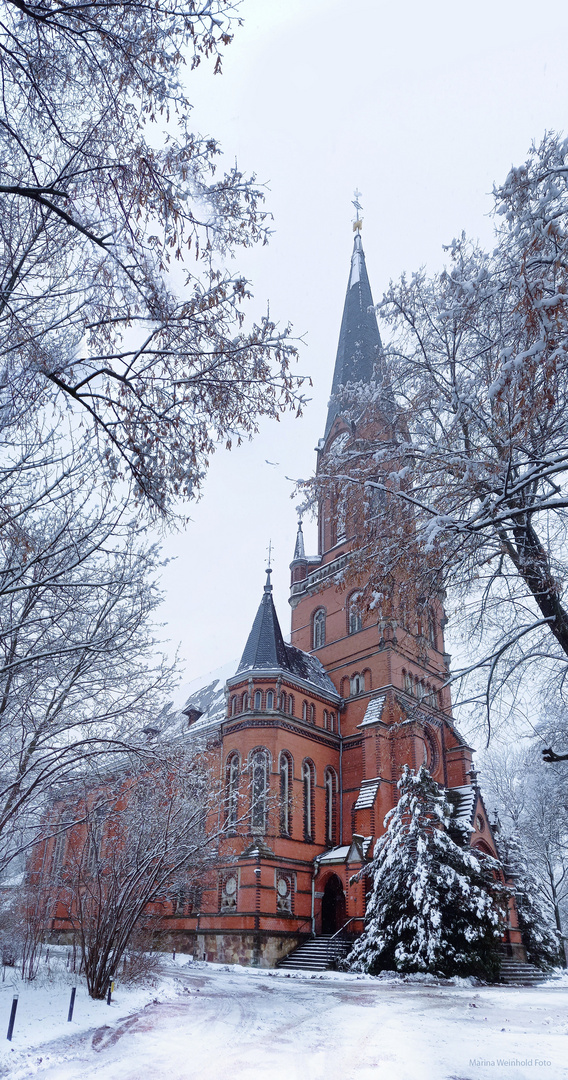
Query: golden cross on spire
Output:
(358,223)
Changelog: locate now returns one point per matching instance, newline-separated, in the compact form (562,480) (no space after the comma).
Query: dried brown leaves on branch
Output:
(125,360)
(104,187)
(455,476)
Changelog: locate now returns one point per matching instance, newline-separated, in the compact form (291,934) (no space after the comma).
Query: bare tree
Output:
(531,803)
(103,185)
(80,675)
(455,471)
(120,371)
(141,838)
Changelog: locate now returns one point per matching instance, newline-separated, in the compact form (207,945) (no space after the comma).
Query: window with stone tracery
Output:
(286,773)
(330,800)
(232,787)
(259,789)
(319,628)
(308,779)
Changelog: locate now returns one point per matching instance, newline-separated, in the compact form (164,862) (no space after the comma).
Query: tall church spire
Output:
(360,345)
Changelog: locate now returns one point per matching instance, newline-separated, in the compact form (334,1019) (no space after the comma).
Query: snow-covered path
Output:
(244,1025)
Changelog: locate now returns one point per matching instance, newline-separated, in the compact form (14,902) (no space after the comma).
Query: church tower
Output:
(390,673)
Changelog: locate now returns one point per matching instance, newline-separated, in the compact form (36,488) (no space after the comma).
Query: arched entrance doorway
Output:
(332,906)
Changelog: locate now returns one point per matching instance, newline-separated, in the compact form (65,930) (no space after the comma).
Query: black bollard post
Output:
(109,993)
(12,1019)
(71,1005)
(174,955)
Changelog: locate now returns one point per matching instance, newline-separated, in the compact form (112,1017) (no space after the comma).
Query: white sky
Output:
(420,106)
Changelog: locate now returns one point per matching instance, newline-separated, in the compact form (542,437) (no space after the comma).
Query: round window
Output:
(479,823)
(282,887)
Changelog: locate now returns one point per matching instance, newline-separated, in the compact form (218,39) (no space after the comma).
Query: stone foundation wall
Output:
(260,950)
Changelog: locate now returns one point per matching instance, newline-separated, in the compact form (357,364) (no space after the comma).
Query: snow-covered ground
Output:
(216,1022)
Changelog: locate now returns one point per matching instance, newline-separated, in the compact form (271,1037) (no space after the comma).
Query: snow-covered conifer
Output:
(435,906)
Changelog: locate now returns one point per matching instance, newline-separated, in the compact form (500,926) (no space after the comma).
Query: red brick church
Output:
(312,736)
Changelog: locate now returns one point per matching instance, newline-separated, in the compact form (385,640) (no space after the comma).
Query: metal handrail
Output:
(355,918)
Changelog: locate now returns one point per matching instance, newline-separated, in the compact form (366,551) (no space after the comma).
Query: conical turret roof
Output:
(360,346)
(266,650)
(265,647)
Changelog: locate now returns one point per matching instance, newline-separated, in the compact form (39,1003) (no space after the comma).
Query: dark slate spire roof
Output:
(266,649)
(360,344)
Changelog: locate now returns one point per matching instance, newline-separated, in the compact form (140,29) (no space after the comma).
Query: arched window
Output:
(304,710)
(286,774)
(58,849)
(325,719)
(232,787)
(283,701)
(357,684)
(308,779)
(233,706)
(312,714)
(330,798)
(432,635)
(420,690)
(319,628)
(354,618)
(95,827)
(291,704)
(258,699)
(245,703)
(270,699)
(332,721)
(259,770)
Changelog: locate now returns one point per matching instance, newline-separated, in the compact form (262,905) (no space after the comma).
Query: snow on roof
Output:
(206,695)
(466,804)
(336,855)
(374,711)
(367,794)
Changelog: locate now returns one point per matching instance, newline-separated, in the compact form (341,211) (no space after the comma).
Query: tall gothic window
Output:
(232,782)
(270,699)
(291,704)
(355,621)
(58,850)
(304,710)
(432,635)
(308,779)
(259,770)
(283,701)
(319,628)
(286,773)
(95,839)
(258,700)
(330,791)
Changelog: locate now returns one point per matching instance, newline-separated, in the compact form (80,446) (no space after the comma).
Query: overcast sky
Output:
(420,106)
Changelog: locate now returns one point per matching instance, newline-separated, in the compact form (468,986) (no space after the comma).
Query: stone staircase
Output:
(317,954)
(515,973)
